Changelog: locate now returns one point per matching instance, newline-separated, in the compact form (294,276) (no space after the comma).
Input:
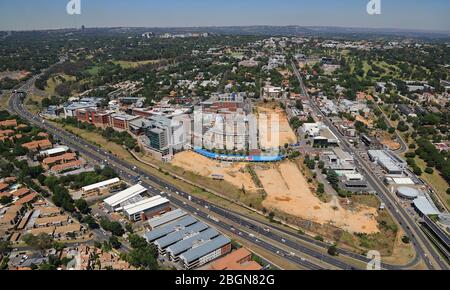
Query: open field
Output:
(54,81)
(288,191)
(15,75)
(133,64)
(233,173)
(4,100)
(402,253)
(367,122)
(282,130)
(386,140)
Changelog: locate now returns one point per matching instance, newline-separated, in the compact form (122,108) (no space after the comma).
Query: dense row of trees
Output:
(433,158)
(142,255)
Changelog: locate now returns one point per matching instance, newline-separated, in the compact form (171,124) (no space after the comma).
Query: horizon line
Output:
(374,29)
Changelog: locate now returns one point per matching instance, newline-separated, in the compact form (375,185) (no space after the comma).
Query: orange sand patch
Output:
(285,181)
(278,122)
(232,172)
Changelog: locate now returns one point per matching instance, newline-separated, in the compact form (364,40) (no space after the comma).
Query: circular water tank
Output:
(408,192)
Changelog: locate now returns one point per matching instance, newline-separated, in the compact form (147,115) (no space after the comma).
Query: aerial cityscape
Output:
(213,147)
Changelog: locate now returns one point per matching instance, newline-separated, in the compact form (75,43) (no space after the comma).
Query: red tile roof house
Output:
(38,145)
(61,159)
(66,166)
(3,186)
(8,123)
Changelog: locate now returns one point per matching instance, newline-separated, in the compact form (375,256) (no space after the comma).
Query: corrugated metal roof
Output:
(166,218)
(206,248)
(167,229)
(179,235)
(101,184)
(122,196)
(424,206)
(145,204)
(188,243)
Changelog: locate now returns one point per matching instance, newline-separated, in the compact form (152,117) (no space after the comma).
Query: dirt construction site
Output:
(288,191)
(233,173)
(276,121)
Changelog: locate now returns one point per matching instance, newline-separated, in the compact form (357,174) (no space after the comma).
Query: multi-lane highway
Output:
(264,231)
(421,244)
(127,172)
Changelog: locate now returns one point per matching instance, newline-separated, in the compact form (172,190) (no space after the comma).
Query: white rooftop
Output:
(124,195)
(57,150)
(145,205)
(424,206)
(403,180)
(101,184)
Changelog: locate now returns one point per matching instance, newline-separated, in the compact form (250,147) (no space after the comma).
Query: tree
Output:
(58,246)
(40,242)
(429,170)
(142,255)
(112,226)
(5,246)
(4,200)
(333,178)
(129,228)
(82,206)
(417,171)
(296,123)
(90,221)
(137,241)
(115,243)
(145,257)
(320,188)
(332,250)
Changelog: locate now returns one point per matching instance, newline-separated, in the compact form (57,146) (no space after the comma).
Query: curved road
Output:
(124,169)
(421,244)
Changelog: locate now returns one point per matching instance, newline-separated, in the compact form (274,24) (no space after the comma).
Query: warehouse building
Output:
(125,197)
(100,187)
(174,251)
(424,206)
(54,151)
(206,252)
(169,228)
(391,163)
(399,181)
(166,218)
(170,239)
(147,208)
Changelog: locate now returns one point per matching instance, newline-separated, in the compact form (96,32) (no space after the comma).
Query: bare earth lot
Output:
(288,191)
(232,172)
(15,75)
(283,132)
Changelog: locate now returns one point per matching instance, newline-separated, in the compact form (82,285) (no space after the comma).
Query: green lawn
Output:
(133,64)
(436,181)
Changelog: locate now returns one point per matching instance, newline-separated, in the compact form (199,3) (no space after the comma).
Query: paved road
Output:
(123,169)
(105,158)
(403,146)
(421,244)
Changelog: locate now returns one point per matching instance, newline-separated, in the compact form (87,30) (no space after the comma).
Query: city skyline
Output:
(51,14)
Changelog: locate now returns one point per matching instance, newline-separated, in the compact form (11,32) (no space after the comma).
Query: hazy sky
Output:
(50,14)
